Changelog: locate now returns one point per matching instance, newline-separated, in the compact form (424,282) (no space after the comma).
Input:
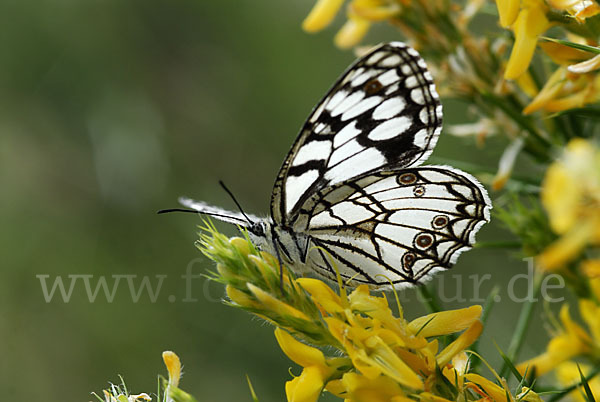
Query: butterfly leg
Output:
(278,255)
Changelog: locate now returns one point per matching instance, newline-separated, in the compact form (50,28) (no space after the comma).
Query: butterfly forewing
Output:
(394,227)
(382,113)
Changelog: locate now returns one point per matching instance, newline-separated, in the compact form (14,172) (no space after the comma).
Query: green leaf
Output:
(508,363)
(588,391)
(578,46)
(523,322)
(254,397)
(487,308)
(562,393)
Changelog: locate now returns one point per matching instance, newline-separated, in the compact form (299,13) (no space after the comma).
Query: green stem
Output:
(429,299)
(487,307)
(522,325)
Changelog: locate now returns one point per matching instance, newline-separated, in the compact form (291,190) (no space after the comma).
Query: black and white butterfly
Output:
(351,195)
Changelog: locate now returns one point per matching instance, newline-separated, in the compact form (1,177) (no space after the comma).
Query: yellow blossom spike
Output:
(241,244)
(352,32)
(573,342)
(567,247)
(322,294)
(429,397)
(465,340)
(297,351)
(563,4)
(590,312)
(374,10)
(575,100)
(271,303)
(240,297)
(360,388)
(370,354)
(494,391)
(306,387)
(531,22)
(527,85)
(321,15)
(445,322)
(508,11)
(173,367)
(573,329)
(550,90)
(591,269)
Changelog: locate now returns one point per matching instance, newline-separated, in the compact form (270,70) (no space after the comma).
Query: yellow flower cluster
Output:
(571,340)
(380,356)
(387,354)
(361,14)
(571,196)
(569,86)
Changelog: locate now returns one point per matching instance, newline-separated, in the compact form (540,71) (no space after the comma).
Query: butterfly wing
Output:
(398,226)
(235,218)
(382,113)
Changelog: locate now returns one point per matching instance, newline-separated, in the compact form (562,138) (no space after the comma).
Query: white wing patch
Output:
(350,188)
(314,150)
(382,113)
(401,225)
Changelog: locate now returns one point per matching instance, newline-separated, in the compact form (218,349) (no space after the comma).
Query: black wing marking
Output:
(400,226)
(383,113)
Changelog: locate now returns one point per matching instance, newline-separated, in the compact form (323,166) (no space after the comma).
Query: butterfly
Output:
(351,195)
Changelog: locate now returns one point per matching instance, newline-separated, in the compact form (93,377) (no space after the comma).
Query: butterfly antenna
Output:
(223,217)
(235,201)
(166,211)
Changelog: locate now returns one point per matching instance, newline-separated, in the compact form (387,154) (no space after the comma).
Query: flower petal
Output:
(530,23)
(307,387)
(445,322)
(321,15)
(465,340)
(297,351)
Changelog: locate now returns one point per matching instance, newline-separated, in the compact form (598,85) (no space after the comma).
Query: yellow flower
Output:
(384,357)
(490,389)
(572,341)
(380,344)
(361,13)
(508,11)
(565,90)
(317,369)
(580,9)
(321,15)
(356,387)
(571,196)
(173,367)
(527,19)
(528,25)
(567,374)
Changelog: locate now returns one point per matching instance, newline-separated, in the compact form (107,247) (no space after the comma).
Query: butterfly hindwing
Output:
(398,226)
(382,113)
(351,196)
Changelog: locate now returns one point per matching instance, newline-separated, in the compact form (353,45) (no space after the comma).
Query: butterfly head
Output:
(260,233)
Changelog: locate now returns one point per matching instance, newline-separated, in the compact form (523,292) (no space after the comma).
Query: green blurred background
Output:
(110,110)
